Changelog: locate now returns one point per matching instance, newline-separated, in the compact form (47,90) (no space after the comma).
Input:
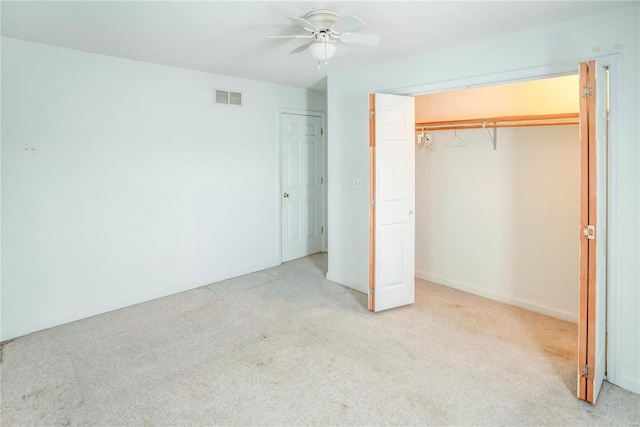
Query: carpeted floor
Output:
(287,347)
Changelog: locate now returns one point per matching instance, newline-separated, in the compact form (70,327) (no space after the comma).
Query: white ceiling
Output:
(228,37)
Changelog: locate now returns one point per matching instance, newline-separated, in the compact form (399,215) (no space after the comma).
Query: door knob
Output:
(285,195)
(411,212)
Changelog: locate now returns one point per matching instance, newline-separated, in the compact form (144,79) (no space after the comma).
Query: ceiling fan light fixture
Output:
(326,30)
(322,50)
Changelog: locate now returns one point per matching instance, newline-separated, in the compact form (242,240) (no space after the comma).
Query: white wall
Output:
(502,223)
(569,41)
(121,182)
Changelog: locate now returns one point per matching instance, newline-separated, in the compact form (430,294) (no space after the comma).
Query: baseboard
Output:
(72,316)
(499,297)
(631,384)
(339,280)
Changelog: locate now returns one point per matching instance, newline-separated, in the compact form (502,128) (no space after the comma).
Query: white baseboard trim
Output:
(499,297)
(339,280)
(628,383)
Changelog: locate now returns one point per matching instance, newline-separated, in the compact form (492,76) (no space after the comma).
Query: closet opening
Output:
(498,193)
(498,206)
(506,198)
(500,178)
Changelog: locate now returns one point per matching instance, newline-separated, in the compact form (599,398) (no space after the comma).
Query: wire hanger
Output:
(421,140)
(424,140)
(456,141)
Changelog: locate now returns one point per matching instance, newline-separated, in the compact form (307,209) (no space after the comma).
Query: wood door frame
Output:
(372,209)
(614,158)
(588,216)
(323,139)
(585,260)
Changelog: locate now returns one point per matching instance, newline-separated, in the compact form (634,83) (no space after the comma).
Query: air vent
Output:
(235,98)
(227,97)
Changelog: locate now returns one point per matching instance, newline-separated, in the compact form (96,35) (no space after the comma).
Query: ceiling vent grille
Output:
(227,97)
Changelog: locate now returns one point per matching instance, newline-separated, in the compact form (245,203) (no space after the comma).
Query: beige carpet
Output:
(287,347)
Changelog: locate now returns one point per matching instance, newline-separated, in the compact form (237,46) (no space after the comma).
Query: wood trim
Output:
(563,118)
(372,195)
(584,221)
(501,125)
(592,282)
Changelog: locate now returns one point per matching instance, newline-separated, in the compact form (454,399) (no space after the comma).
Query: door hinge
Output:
(321,131)
(321,180)
(321,229)
(587,90)
(590,232)
(372,112)
(373,202)
(585,372)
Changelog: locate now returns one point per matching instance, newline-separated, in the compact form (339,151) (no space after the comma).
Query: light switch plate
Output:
(357,183)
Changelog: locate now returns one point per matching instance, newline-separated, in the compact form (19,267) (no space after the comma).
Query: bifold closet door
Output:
(593,243)
(392,201)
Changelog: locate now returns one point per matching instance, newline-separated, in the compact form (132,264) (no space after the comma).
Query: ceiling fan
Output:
(326,29)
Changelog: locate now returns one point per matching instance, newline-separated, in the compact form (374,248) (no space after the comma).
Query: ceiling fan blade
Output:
(361,38)
(301,48)
(294,36)
(348,24)
(304,24)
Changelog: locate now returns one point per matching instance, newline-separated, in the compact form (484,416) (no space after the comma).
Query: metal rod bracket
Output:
(493,136)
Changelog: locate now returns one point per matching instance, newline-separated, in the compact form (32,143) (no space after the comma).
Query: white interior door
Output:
(302,196)
(599,366)
(392,281)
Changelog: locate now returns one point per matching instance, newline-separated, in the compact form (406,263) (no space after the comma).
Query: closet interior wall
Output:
(502,223)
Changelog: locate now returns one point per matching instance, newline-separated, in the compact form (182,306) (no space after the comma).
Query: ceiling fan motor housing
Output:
(323,19)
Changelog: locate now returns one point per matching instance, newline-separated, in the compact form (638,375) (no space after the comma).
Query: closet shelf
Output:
(502,122)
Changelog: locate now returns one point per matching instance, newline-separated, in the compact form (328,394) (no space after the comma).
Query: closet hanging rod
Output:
(495,125)
(507,121)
